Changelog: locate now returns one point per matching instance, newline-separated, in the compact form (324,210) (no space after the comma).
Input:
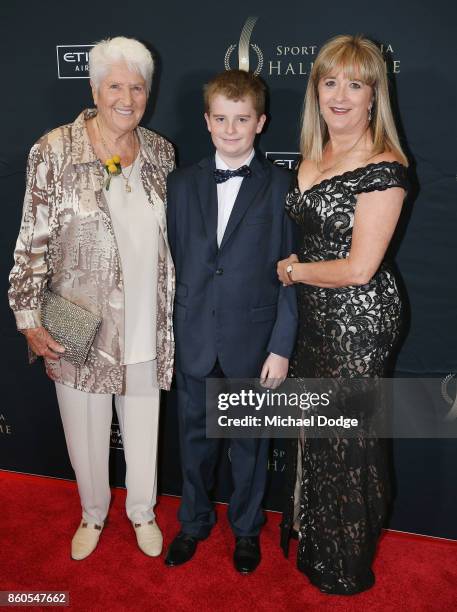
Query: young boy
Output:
(227,230)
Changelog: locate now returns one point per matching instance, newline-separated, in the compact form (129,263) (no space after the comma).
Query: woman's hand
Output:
(283,276)
(42,343)
(274,371)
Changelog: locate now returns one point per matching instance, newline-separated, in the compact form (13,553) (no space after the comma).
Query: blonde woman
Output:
(100,241)
(347,199)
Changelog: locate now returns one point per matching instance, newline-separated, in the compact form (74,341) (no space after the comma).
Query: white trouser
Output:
(86,419)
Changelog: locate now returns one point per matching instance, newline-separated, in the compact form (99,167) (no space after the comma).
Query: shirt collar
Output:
(221,165)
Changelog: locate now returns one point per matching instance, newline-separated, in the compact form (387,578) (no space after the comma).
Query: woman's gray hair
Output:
(111,51)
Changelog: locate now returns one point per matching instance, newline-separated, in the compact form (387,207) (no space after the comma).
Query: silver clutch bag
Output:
(70,325)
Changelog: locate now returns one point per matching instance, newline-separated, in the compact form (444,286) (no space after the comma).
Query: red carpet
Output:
(39,516)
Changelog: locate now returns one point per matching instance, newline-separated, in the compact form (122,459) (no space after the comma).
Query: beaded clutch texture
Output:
(70,325)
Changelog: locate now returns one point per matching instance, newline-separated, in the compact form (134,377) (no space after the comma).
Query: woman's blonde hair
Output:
(360,59)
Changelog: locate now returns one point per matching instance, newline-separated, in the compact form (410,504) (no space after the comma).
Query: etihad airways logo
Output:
(285,159)
(73,61)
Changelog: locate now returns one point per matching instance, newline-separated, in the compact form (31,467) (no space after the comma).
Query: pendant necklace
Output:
(336,164)
(128,189)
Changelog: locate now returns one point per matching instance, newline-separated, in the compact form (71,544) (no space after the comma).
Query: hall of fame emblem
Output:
(244,47)
(449,393)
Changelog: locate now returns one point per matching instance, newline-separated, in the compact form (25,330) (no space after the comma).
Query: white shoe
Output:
(85,540)
(149,538)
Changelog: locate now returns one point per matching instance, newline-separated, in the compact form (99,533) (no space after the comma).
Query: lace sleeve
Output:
(379,177)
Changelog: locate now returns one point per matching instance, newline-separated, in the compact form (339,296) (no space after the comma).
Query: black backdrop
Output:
(42,44)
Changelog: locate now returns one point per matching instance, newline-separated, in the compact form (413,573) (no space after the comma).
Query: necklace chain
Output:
(126,178)
(342,156)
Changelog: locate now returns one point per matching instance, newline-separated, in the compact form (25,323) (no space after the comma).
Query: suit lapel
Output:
(207,196)
(246,195)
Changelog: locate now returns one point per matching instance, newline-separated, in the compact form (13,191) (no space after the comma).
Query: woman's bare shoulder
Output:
(385,156)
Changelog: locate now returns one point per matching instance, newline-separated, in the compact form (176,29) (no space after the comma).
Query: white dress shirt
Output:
(226,194)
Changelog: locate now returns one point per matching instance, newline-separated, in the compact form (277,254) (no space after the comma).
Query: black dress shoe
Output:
(181,550)
(247,554)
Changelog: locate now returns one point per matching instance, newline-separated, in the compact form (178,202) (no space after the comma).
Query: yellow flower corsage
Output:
(113,168)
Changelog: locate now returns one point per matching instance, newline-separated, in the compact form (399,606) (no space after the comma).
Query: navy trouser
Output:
(199,456)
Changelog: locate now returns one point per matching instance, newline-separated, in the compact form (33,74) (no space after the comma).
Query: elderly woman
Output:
(346,202)
(93,231)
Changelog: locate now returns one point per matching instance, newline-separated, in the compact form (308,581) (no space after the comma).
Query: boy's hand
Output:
(274,371)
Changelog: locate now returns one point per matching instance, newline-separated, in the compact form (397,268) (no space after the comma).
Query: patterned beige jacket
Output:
(67,242)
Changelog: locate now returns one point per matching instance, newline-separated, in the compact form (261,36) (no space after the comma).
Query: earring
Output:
(369,114)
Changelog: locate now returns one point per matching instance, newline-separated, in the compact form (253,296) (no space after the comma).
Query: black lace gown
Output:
(342,484)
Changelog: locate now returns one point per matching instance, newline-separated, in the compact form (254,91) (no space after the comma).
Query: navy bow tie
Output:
(221,176)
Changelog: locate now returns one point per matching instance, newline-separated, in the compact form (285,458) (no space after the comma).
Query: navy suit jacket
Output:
(229,303)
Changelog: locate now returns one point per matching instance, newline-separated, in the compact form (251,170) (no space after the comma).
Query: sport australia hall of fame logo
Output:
(116,436)
(449,393)
(286,59)
(276,461)
(244,48)
(5,427)
(73,61)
